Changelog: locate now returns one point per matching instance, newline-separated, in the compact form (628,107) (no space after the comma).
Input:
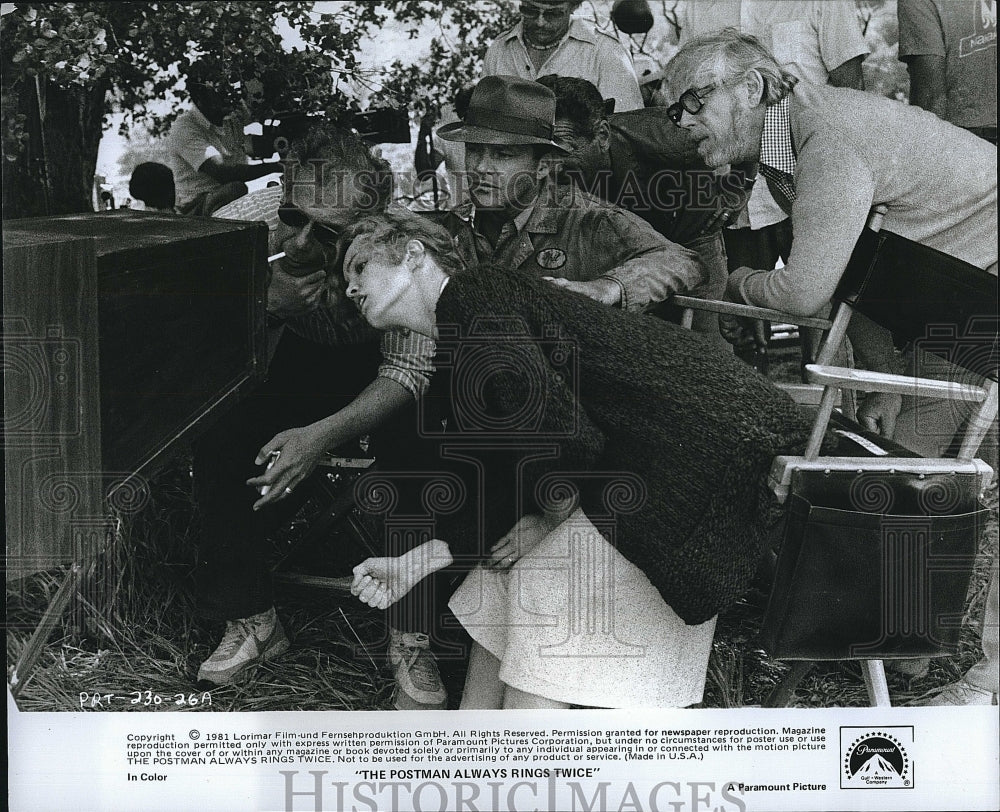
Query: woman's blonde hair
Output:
(385,235)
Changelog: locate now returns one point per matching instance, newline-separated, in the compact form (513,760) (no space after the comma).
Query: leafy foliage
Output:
(141,48)
(465,30)
(65,65)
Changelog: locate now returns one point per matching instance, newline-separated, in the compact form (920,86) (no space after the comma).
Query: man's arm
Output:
(849,74)
(922,48)
(841,42)
(649,268)
(927,83)
(873,349)
(834,192)
(225,173)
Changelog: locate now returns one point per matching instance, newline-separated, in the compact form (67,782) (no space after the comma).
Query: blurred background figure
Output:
(207,148)
(650,75)
(153,184)
(950,50)
(432,189)
(549,40)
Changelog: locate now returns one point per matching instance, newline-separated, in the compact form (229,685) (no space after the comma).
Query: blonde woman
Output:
(613,473)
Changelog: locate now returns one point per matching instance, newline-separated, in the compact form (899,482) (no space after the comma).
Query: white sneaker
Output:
(418,682)
(247,642)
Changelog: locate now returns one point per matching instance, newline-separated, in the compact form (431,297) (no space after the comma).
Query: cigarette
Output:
(276,257)
(272,458)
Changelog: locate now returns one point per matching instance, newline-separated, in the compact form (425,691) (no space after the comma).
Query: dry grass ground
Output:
(147,635)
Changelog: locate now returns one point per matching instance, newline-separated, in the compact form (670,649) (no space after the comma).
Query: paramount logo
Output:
(876,769)
(876,759)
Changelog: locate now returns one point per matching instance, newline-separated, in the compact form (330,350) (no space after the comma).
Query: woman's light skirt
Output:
(574,621)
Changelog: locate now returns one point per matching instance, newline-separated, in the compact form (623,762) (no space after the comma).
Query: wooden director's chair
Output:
(879,542)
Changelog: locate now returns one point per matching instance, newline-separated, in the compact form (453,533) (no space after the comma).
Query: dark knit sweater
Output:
(667,439)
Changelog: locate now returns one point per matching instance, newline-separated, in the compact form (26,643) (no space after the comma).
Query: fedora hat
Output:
(506,110)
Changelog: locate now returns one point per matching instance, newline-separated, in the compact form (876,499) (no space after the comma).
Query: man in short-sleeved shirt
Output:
(193,140)
(546,41)
(205,148)
(950,48)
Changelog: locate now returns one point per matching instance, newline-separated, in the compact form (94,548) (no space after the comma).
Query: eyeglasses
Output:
(691,100)
(550,15)
(295,217)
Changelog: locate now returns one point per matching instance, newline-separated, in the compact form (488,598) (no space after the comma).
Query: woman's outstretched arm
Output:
(380,582)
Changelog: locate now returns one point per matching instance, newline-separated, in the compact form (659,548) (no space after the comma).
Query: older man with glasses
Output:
(548,40)
(828,155)
(819,41)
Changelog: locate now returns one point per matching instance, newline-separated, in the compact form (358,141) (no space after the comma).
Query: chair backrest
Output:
(918,292)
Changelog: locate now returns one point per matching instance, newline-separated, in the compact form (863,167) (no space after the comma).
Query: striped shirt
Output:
(406,355)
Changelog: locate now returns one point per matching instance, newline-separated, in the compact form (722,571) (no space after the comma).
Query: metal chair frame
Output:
(827,380)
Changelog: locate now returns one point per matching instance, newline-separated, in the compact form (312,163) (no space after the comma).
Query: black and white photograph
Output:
(501,405)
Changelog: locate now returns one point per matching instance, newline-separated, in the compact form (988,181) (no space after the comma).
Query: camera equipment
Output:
(383,125)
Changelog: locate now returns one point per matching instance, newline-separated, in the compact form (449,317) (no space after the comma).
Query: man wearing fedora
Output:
(523,219)
(548,40)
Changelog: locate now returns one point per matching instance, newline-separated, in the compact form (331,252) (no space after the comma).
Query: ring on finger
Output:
(288,490)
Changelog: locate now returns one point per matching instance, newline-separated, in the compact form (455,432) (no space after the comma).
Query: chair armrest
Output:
(806,394)
(748,311)
(864,380)
(783,466)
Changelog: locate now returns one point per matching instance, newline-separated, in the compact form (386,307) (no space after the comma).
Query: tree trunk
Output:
(54,171)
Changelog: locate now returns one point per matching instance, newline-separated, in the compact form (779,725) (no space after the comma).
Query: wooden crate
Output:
(125,334)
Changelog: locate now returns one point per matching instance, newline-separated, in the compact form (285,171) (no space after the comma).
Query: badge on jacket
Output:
(550,258)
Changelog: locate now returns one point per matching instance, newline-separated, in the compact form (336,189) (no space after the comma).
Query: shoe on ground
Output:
(913,667)
(960,693)
(247,642)
(418,681)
